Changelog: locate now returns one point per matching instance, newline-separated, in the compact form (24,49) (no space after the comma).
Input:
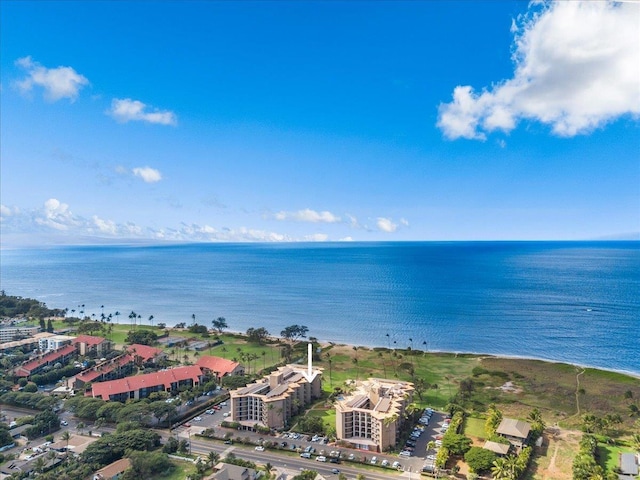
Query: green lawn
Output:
(608,455)
(328,416)
(474,427)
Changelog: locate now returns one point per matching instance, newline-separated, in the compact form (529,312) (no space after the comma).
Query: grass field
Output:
(474,427)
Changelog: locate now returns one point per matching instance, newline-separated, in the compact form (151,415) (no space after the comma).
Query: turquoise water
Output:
(576,302)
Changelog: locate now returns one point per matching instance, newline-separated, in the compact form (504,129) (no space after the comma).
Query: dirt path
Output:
(551,473)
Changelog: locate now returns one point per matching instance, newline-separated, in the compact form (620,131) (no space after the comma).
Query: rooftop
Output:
(514,428)
(138,382)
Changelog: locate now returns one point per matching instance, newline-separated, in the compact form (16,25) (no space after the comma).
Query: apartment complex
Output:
(10,334)
(371,417)
(37,365)
(273,400)
(54,342)
(89,345)
(141,386)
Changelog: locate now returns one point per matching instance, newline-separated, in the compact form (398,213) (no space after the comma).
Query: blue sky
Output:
(319,121)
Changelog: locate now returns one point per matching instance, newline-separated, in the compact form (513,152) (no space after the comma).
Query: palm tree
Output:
(151,320)
(117,314)
(66,436)
(213,458)
(500,470)
(355,362)
(329,360)
(193,317)
(264,360)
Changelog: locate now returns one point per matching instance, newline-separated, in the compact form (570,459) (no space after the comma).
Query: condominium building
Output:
(370,418)
(273,400)
(54,342)
(141,386)
(10,334)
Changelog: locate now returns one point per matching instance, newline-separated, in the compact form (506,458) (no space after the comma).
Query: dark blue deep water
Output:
(576,302)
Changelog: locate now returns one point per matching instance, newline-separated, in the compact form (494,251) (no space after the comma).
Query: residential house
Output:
(141,386)
(500,449)
(220,367)
(273,400)
(113,471)
(371,418)
(227,471)
(628,466)
(516,431)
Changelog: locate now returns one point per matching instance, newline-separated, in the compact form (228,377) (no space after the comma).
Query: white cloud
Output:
(386,225)
(127,110)
(57,215)
(148,174)
(576,68)
(105,226)
(316,237)
(6,211)
(57,83)
(308,215)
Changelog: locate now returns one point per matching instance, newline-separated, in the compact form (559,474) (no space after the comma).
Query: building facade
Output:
(10,334)
(370,418)
(141,386)
(273,400)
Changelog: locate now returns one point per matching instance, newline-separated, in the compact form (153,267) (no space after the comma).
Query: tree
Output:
(257,335)
(219,324)
(213,458)
(479,459)
(65,437)
(456,443)
(493,420)
(294,332)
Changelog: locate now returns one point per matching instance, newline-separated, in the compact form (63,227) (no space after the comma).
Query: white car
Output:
(259,448)
(405,453)
(374,460)
(197,419)
(385,463)
(321,458)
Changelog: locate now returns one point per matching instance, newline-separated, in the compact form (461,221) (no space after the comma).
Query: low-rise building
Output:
(370,418)
(113,471)
(515,431)
(38,365)
(113,369)
(88,345)
(141,386)
(273,400)
(17,332)
(500,449)
(219,367)
(227,471)
(628,463)
(145,353)
(54,342)
(30,343)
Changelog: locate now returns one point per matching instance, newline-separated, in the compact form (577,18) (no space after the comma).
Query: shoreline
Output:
(328,343)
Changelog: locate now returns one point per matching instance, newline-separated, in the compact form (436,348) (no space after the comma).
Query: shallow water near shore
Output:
(575,302)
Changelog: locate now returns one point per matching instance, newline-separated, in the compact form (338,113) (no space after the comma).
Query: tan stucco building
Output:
(371,417)
(273,400)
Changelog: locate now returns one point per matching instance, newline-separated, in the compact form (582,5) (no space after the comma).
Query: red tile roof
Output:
(221,366)
(132,384)
(89,339)
(144,351)
(95,372)
(47,358)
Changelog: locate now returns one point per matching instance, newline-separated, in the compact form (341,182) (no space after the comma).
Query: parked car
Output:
(321,458)
(305,455)
(385,463)
(335,470)
(374,460)
(259,448)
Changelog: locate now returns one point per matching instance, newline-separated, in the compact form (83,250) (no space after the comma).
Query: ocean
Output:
(574,302)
